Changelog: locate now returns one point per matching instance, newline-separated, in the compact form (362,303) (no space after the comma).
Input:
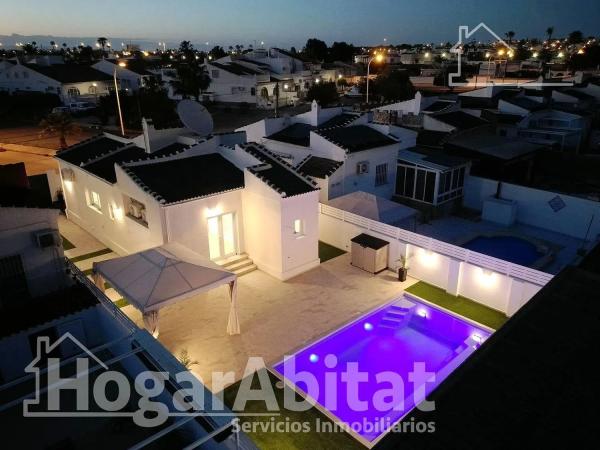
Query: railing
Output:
(478,259)
(106,302)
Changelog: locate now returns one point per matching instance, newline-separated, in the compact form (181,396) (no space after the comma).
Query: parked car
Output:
(79,107)
(61,110)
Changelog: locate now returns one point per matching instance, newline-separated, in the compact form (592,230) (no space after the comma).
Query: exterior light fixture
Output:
(368,326)
(535,54)
(313,358)
(422,312)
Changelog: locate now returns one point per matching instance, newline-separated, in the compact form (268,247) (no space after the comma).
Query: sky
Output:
(291,22)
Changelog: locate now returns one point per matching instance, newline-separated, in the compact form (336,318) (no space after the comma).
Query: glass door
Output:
(222,236)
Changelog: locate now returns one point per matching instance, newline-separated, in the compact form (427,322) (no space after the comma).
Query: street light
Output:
(377,58)
(121,64)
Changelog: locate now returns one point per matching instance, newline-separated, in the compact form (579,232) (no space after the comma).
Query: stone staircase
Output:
(397,315)
(239,264)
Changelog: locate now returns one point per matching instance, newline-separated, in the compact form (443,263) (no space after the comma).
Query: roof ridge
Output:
(102,156)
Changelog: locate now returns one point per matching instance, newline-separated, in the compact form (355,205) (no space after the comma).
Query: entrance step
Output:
(239,264)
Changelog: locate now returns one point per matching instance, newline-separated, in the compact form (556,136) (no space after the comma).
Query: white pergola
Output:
(161,276)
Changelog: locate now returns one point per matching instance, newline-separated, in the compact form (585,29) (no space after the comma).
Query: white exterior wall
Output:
(366,182)
(533,208)
(44,268)
(123,235)
(269,221)
(187,223)
(127,78)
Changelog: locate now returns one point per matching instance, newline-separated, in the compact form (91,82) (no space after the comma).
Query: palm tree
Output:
(102,41)
(550,32)
(61,125)
(510,35)
(52,45)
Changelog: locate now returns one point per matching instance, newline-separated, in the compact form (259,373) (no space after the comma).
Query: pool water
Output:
(508,248)
(389,339)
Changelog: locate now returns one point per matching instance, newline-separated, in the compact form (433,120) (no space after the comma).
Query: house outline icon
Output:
(44,347)
(463,35)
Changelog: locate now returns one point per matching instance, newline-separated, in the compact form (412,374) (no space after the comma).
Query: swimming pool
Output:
(509,248)
(394,339)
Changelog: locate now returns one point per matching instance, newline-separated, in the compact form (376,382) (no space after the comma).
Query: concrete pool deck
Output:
(455,230)
(276,317)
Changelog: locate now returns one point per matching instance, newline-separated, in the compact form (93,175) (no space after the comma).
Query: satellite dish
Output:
(195,117)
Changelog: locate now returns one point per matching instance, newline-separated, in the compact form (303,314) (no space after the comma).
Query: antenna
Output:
(195,117)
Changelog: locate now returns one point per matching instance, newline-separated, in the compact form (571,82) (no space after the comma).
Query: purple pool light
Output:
(389,340)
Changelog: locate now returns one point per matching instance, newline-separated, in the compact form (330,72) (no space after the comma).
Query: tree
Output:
(510,35)
(588,60)
(187,49)
(324,93)
(315,50)
(61,125)
(575,37)
(102,41)
(549,32)
(217,52)
(192,79)
(393,85)
(341,51)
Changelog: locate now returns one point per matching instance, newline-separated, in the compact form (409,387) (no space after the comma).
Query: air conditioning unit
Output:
(47,238)
(362,167)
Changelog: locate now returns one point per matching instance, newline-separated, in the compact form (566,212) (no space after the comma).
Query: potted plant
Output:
(402,268)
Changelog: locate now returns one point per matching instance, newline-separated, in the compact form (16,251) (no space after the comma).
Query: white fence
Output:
(515,285)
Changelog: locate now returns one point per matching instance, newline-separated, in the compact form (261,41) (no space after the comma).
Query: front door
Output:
(222,236)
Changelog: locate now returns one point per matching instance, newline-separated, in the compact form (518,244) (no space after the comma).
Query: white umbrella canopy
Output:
(155,278)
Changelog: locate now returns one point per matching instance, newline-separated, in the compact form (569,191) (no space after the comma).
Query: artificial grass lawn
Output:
(327,252)
(460,305)
(312,439)
(104,251)
(67,245)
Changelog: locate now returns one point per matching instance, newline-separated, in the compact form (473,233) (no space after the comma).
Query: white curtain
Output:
(98,280)
(151,322)
(233,324)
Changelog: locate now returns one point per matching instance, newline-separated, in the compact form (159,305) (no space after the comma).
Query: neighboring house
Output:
(131,77)
(342,151)
(71,82)
(241,81)
(452,121)
(218,200)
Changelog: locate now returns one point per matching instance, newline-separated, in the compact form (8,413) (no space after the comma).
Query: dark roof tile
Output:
(356,138)
(318,167)
(277,173)
(460,120)
(176,180)
(70,73)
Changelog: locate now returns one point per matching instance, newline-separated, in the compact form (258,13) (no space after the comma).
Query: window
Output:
(136,210)
(381,174)
(253,92)
(298,227)
(73,92)
(94,201)
(362,167)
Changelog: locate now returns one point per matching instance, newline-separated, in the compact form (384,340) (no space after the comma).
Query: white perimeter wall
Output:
(491,288)
(533,208)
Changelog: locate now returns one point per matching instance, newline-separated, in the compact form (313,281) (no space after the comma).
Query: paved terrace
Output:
(455,230)
(276,317)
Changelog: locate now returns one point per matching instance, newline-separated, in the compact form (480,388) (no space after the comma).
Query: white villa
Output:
(216,196)
(342,151)
(69,81)
(252,78)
